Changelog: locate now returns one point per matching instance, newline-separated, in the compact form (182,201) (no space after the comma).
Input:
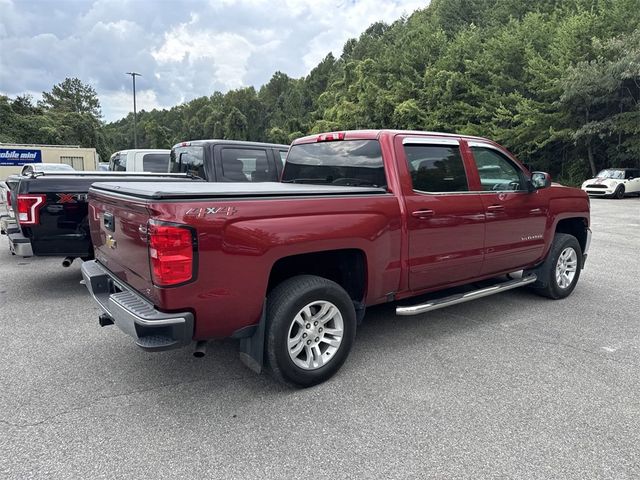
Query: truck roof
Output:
(192,190)
(229,142)
(376,134)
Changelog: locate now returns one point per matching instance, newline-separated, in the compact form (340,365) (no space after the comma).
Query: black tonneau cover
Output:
(79,182)
(187,190)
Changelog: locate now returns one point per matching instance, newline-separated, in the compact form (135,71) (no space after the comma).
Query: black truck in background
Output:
(48,212)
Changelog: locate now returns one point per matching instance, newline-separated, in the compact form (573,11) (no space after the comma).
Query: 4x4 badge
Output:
(204,211)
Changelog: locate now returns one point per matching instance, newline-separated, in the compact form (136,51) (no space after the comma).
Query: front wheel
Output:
(619,192)
(559,274)
(311,325)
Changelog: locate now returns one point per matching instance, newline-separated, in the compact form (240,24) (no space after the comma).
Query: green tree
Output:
(72,95)
(235,125)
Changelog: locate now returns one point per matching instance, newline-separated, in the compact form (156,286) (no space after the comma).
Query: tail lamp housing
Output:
(29,208)
(8,198)
(172,253)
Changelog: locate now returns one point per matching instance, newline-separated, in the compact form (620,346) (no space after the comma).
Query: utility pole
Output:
(135,119)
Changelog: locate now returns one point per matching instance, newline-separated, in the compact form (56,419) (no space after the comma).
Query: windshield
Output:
(349,162)
(619,174)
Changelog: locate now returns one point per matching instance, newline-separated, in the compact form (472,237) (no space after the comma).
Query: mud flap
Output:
(252,348)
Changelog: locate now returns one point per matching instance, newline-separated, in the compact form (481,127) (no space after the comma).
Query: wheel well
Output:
(345,267)
(576,227)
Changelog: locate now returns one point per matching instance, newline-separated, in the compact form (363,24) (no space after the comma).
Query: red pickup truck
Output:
(360,218)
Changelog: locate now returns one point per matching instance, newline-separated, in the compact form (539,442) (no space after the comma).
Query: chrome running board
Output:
(465,297)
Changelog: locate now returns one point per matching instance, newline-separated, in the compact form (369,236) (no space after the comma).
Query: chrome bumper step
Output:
(465,297)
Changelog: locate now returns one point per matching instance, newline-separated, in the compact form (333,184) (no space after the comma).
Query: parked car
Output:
(140,160)
(46,167)
(51,210)
(614,183)
(361,218)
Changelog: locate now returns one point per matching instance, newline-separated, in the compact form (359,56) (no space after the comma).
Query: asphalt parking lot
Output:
(509,386)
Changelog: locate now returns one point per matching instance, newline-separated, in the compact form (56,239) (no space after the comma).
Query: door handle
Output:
(423,213)
(495,208)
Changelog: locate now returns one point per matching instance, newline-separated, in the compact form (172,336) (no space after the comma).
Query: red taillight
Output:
(330,137)
(171,249)
(8,198)
(29,209)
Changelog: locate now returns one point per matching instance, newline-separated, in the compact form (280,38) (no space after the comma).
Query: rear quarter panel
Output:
(239,244)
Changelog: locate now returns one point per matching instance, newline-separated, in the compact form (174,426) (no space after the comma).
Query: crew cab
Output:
(51,210)
(229,160)
(360,218)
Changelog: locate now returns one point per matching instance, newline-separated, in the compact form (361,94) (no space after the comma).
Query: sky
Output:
(183,49)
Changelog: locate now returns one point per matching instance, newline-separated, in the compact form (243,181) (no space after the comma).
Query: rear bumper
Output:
(19,244)
(152,330)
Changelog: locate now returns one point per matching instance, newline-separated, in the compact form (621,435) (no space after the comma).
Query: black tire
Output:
(547,284)
(283,305)
(619,192)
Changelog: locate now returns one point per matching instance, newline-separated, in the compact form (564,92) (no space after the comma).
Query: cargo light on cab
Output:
(330,137)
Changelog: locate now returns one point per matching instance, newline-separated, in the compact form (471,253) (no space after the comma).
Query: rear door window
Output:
(187,160)
(246,165)
(436,168)
(155,162)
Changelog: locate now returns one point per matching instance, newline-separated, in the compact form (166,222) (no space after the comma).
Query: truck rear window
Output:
(155,162)
(348,162)
(187,160)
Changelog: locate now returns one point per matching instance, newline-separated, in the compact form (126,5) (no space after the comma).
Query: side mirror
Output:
(540,180)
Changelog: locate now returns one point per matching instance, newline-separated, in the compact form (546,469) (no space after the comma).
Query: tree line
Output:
(557,82)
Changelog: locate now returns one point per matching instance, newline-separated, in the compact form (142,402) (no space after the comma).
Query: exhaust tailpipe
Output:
(68,261)
(201,349)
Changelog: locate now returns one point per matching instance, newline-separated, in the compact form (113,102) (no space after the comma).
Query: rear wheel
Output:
(559,274)
(311,325)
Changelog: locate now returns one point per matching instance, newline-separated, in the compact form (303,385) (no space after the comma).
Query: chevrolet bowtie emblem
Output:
(111,242)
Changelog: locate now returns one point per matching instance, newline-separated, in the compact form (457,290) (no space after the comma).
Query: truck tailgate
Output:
(119,234)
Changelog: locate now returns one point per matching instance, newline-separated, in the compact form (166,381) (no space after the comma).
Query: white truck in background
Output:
(140,160)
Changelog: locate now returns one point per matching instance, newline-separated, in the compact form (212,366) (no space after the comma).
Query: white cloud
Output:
(183,48)
(120,103)
(227,53)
